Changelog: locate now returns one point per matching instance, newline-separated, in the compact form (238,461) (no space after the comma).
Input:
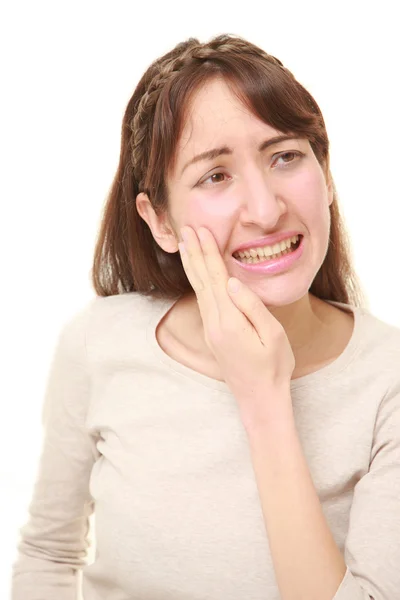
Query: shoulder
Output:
(379,346)
(377,332)
(372,354)
(131,306)
(101,317)
(116,328)
(372,331)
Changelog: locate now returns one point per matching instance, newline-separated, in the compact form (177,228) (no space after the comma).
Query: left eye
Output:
(285,154)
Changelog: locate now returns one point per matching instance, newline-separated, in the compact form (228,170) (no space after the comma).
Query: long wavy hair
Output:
(126,257)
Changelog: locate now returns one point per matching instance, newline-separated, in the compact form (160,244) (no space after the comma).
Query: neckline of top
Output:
(161,307)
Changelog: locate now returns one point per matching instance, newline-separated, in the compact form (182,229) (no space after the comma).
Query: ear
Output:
(159,225)
(331,190)
(329,185)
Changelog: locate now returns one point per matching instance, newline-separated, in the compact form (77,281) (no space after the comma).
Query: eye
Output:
(292,153)
(214,179)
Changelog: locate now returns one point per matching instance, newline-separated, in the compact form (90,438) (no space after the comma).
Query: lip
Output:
(269,240)
(276,265)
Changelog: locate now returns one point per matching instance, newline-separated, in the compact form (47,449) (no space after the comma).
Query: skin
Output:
(246,195)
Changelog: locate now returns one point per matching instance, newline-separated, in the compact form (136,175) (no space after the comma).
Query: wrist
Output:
(270,408)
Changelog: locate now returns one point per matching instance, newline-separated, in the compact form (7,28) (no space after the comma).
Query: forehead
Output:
(217,117)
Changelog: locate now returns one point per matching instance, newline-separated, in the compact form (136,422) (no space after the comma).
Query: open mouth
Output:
(269,253)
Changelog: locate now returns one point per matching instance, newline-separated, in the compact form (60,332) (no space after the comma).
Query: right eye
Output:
(213,179)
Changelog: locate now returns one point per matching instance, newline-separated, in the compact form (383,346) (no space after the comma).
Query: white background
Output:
(68,71)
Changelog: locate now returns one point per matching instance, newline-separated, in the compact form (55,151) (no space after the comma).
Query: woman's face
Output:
(243,194)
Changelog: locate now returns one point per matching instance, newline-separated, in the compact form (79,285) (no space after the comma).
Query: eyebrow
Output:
(224,150)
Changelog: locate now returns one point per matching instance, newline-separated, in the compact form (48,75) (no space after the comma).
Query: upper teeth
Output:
(268,250)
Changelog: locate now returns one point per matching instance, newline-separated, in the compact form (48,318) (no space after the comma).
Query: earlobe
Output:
(158,224)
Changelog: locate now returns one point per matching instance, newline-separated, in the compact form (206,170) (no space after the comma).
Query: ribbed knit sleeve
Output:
(53,542)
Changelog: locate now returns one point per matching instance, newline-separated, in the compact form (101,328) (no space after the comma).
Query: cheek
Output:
(217,215)
(310,198)
(211,208)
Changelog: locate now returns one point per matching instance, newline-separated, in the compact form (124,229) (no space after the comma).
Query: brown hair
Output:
(127,258)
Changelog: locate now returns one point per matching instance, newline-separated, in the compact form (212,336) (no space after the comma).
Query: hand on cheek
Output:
(249,344)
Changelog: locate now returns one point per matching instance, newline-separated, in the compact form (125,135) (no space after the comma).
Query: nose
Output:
(262,204)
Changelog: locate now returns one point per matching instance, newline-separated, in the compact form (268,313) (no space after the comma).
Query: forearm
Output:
(307,562)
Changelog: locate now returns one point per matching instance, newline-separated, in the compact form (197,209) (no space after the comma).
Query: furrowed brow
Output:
(224,150)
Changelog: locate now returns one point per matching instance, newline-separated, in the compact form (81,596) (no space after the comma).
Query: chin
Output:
(282,291)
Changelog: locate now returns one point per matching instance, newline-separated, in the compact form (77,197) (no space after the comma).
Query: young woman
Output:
(225,406)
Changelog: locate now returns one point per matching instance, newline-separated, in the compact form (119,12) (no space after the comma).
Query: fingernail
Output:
(181,247)
(233,284)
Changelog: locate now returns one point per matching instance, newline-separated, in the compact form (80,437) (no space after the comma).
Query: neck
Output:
(302,321)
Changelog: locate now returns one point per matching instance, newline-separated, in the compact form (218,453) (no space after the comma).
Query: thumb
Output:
(233,285)
(251,306)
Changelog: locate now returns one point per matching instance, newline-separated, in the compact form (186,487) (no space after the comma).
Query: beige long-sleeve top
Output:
(159,453)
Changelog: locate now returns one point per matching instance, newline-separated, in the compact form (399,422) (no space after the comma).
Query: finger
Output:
(253,308)
(216,272)
(196,271)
